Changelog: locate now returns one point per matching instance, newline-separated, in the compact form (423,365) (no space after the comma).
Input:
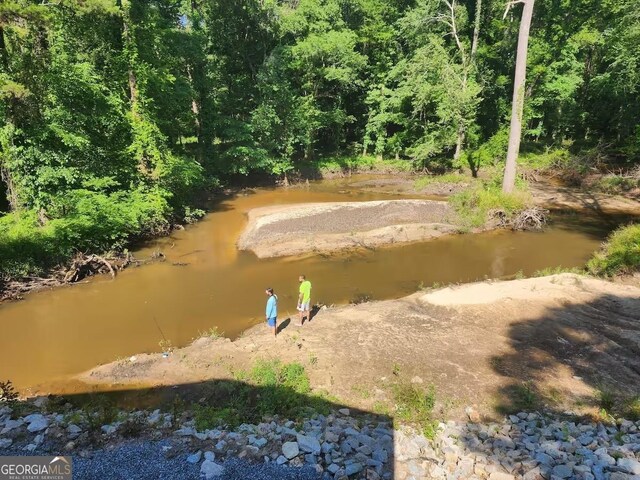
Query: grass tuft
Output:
(619,255)
(415,405)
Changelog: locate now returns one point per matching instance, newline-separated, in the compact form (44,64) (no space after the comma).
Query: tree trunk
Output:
(12,195)
(476,30)
(459,142)
(129,45)
(4,57)
(517,106)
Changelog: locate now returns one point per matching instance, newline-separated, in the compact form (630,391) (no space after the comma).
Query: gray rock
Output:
(562,471)
(310,458)
(308,444)
(195,458)
(185,432)
(211,469)
(544,459)
(290,449)
(345,411)
(353,469)
(327,447)
(220,445)
(10,425)
(260,442)
(380,455)
(208,455)
(629,465)
(37,422)
(5,442)
(281,459)
(108,429)
(331,437)
(333,468)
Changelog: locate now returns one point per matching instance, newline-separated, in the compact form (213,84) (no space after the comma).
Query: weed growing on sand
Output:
(523,397)
(545,272)
(313,360)
(361,391)
(269,387)
(212,332)
(99,411)
(359,298)
(415,405)
(165,345)
(632,409)
(207,417)
(606,400)
(8,395)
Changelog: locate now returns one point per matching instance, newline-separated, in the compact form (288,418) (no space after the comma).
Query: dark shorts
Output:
(272,322)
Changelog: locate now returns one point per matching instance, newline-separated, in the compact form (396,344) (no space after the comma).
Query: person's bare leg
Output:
(275,330)
(301,315)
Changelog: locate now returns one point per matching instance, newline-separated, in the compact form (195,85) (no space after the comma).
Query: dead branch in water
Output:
(81,267)
(533,218)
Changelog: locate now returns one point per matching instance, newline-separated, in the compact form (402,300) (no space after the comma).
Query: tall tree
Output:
(517,105)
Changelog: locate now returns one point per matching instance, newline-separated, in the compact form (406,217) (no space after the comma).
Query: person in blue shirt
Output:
(271,313)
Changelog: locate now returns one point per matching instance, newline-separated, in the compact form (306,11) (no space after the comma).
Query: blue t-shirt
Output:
(272,307)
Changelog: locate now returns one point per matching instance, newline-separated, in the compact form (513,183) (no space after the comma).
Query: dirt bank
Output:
(547,193)
(553,196)
(325,227)
(552,341)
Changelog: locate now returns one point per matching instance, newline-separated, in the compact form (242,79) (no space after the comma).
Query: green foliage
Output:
(360,164)
(83,220)
(620,254)
(270,387)
(105,102)
(548,160)
(415,405)
(474,204)
(616,184)
(490,154)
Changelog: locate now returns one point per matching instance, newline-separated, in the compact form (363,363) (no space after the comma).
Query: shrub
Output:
(620,254)
(474,205)
(82,220)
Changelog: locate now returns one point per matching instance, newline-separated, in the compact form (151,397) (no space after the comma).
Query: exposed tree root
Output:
(533,218)
(82,266)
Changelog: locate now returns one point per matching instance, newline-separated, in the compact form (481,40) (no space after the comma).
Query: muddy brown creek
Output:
(206,282)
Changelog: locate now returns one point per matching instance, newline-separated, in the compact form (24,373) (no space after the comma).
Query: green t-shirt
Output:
(305,290)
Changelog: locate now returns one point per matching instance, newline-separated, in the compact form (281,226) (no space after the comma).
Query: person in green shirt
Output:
(304,299)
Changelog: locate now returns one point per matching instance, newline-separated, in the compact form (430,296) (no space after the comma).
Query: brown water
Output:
(68,330)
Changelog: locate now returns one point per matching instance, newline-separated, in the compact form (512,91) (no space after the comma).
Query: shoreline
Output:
(545,195)
(351,341)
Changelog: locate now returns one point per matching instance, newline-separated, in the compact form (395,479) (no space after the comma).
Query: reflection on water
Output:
(68,330)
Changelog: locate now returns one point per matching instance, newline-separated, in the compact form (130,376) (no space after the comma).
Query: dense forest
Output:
(115,114)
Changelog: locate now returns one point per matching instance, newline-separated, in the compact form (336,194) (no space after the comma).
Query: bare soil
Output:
(326,227)
(554,196)
(551,342)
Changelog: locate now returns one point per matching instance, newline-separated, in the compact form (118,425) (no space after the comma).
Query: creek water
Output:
(206,282)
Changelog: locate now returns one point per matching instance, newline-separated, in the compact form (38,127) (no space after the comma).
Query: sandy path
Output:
(562,336)
(325,227)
